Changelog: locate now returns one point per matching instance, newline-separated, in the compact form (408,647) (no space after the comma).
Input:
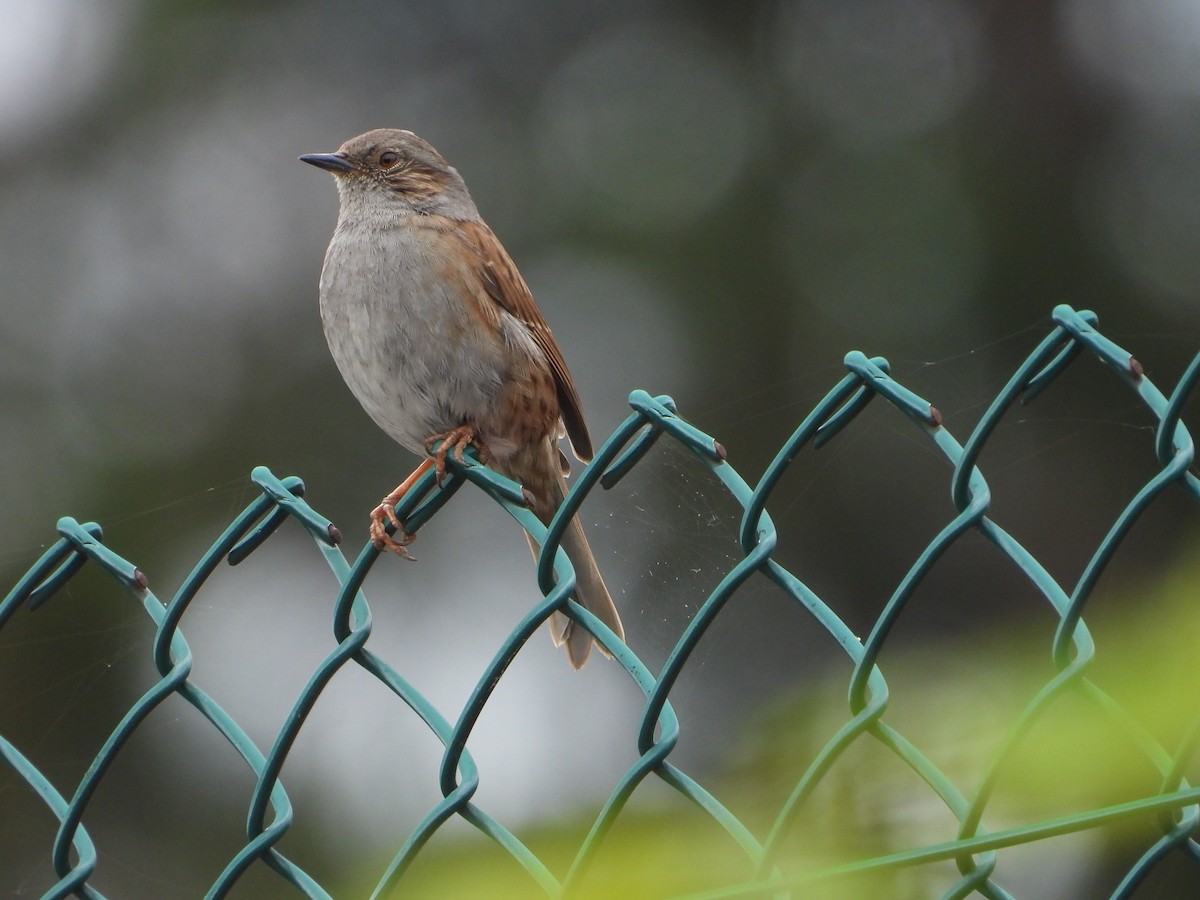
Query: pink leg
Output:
(386,512)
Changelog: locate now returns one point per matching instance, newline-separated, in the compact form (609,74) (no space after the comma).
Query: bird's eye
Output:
(388,158)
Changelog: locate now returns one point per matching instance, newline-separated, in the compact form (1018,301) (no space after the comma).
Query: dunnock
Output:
(438,336)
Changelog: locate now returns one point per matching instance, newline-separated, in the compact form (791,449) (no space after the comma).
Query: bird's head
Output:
(393,170)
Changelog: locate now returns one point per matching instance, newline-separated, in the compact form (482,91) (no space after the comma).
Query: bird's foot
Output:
(456,440)
(385,512)
(398,543)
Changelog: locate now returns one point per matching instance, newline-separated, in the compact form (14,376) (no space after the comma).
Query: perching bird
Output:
(438,336)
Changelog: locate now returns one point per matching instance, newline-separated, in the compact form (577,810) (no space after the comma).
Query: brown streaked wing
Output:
(505,285)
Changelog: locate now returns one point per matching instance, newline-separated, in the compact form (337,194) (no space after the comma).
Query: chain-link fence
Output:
(1169,813)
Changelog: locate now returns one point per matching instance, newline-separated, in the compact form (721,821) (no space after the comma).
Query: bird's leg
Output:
(386,512)
(457,439)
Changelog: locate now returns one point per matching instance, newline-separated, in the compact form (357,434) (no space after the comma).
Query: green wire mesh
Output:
(1175,806)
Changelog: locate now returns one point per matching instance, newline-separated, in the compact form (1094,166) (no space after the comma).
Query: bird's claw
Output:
(397,543)
(456,440)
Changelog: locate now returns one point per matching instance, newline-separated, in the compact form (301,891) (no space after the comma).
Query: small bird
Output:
(439,338)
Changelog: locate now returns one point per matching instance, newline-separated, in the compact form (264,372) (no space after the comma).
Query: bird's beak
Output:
(330,162)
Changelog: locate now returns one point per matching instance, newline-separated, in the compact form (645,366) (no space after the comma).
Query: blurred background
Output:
(710,200)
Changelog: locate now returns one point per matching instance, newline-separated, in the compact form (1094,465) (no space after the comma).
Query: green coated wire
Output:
(656,732)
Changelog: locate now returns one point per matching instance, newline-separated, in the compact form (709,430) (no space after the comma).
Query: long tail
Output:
(590,591)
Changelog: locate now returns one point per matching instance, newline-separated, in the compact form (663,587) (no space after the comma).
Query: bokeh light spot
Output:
(650,122)
(875,71)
